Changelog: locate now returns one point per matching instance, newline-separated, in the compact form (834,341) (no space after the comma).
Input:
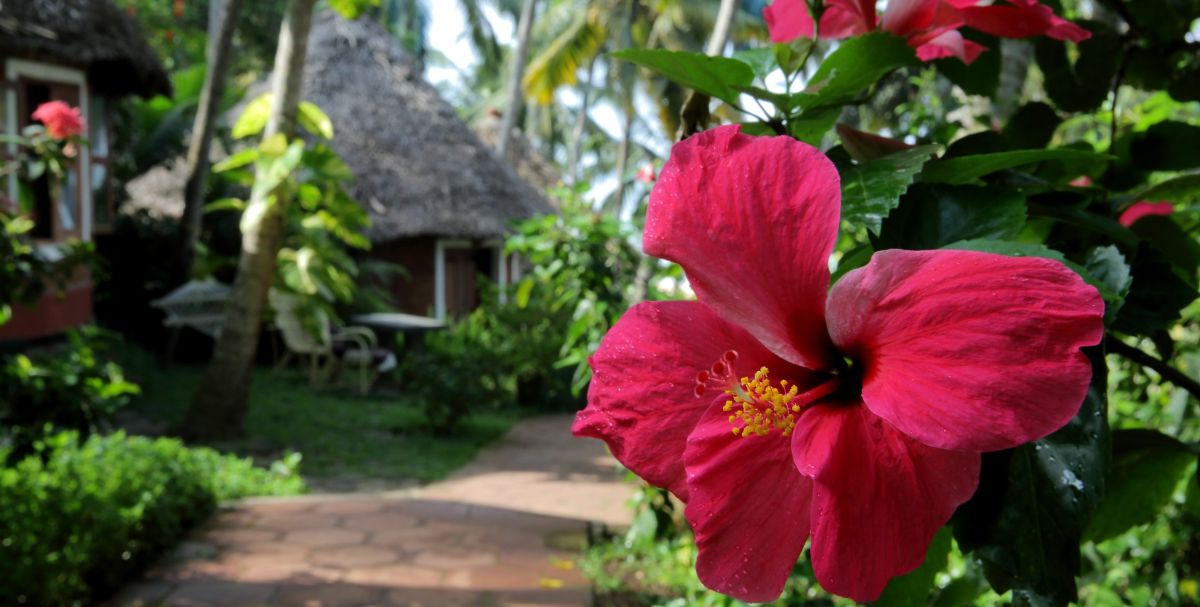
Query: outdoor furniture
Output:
(199,304)
(327,349)
(389,324)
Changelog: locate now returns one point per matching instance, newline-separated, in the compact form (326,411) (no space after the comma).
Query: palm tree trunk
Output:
(722,27)
(221,403)
(516,94)
(580,131)
(623,158)
(220,39)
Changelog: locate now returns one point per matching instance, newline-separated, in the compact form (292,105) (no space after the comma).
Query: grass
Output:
(337,432)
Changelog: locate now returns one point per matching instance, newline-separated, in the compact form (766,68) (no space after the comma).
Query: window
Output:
(103,210)
(55,208)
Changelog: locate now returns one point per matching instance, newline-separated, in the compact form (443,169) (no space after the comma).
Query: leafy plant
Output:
(80,518)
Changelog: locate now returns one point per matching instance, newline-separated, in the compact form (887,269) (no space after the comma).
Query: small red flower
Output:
(930,26)
(61,120)
(646,174)
(1142,209)
(743,403)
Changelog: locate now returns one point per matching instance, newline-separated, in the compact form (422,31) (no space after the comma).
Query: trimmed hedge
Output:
(77,520)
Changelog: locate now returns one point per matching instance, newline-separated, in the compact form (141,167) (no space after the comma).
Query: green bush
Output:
(64,387)
(77,520)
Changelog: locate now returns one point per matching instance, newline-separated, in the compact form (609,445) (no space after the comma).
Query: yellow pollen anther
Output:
(761,407)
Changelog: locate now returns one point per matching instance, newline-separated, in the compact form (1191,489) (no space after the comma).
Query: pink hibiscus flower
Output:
(61,120)
(779,410)
(1142,209)
(930,26)
(646,174)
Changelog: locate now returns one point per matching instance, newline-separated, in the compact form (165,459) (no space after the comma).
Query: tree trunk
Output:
(220,38)
(627,75)
(722,27)
(1014,69)
(580,131)
(516,93)
(623,159)
(221,403)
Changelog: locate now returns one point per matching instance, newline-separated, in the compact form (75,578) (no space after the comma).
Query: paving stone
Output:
(219,593)
(325,537)
(497,534)
(327,595)
(353,557)
(396,576)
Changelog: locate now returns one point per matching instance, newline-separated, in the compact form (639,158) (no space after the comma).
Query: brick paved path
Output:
(504,530)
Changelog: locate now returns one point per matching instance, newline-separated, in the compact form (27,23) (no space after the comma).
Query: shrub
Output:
(66,387)
(78,519)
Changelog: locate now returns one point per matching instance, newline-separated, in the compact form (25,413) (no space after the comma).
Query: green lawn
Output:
(337,431)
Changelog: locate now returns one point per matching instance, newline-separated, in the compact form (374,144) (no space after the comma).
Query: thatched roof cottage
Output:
(86,53)
(440,201)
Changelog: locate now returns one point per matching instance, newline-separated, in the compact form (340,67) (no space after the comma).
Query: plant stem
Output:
(1169,373)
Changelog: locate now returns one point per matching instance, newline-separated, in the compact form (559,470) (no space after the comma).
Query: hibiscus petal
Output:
(967,350)
(905,17)
(752,220)
(641,400)
(749,508)
(1144,208)
(789,20)
(1022,19)
(878,496)
(944,44)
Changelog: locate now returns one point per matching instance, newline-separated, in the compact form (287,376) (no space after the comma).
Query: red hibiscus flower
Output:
(646,174)
(61,120)
(779,410)
(930,26)
(1142,209)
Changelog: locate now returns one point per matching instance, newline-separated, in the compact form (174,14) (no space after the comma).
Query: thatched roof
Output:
(93,34)
(419,169)
(520,154)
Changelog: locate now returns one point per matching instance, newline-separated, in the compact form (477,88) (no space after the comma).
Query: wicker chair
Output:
(329,349)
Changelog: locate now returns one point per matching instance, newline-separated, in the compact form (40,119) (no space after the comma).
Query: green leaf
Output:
(1147,469)
(760,59)
(1027,518)
(968,169)
(1164,235)
(524,290)
(237,160)
(314,120)
(871,190)
(1157,297)
(1082,85)
(351,9)
(225,204)
(1166,146)
(272,171)
(1107,266)
(1032,126)
(812,126)
(982,77)
(912,589)
(856,64)
(717,77)
(254,118)
(1179,189)
(5,314)
(931,216)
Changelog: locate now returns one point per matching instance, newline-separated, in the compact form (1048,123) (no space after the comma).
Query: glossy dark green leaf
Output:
(1026,520)
(968,169)
(1157,297)
(1147,468)
(913,589)
(1032,126)
(718,77)
(871,190)
(1180,190)
(1164,235)
(931,216)
(812,126)
(857,64)
(1108,267)
(760,59)
(1167,146)
(982,77)
(1081,85)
